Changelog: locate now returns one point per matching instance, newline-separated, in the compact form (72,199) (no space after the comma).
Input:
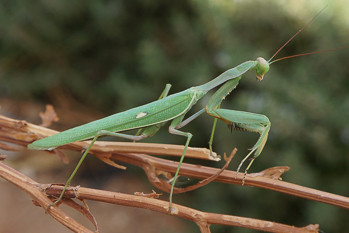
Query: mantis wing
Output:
(149,114)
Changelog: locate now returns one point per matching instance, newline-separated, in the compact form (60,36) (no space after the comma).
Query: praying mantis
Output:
(170,108)
(173,108)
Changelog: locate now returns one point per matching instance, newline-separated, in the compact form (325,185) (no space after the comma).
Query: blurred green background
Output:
(94,58)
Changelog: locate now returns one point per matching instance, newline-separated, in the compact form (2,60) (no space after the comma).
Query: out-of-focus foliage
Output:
(115,55)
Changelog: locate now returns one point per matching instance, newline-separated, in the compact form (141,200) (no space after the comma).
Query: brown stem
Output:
(202,219)
(31,187)
(264,179)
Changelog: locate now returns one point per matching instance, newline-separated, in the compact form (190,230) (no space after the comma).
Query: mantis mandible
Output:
(150,117)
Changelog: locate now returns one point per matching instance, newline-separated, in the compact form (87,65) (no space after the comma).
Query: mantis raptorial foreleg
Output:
(250,122)
(239,120)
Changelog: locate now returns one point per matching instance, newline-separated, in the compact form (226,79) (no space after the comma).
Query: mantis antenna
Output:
(310,53)
(299,31)
(302,54)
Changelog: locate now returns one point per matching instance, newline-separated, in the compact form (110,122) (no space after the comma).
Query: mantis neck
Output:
(228,75)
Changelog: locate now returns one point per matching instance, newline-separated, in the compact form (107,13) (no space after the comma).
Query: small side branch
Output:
(165,186)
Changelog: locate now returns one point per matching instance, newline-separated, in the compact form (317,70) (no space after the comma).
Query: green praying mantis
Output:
(150,117)
(170,108)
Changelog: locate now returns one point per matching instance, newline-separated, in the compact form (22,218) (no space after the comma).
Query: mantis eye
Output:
(262,67)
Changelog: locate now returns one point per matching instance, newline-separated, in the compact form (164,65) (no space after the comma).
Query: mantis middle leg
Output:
(176,124)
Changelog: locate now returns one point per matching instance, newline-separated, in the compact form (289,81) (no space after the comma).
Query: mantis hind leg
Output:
(98,134)
(73,173)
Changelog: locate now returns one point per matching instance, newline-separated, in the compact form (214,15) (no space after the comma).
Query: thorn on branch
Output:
(274,173)
(61,156)
(150,195)
(2,157)
(49,116)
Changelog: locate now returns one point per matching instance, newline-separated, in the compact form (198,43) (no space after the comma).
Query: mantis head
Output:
(262,67)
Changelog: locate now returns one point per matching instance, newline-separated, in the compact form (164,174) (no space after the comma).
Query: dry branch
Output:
(32,188)
(202,219)
(22,133)
(267,179)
